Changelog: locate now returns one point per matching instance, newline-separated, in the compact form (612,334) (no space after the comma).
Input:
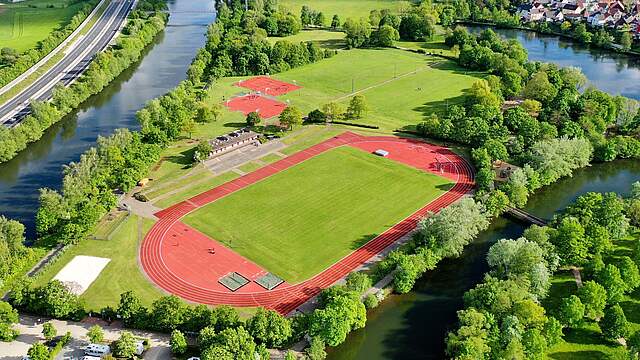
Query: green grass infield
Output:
(301,220)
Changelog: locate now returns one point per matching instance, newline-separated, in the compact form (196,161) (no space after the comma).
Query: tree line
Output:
(503,316)
(15,64)
(141,29)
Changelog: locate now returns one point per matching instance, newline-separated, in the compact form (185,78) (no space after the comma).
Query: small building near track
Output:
(233,141)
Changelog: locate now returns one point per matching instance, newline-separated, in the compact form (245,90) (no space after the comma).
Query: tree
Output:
(416,27)
(333,111)
(358,281)
(178,342)
(125,346)
(470,341)
(534,344)
(95,334)
(49,331)
(594,298)
(269,328)
(167,313)
(130,309)
(189,126)
(614,325)
(290,355)
(611,280)
(539,88)
(8,317)
(571,242)
(237,342)
(357,106)
(39,352)
(202,151)
(451,229)
(335,22)
(633,344)
(316,351)
(357,32)
(571,311)
(290,117)
(629,273)
(253,119)
(386,35)
(552,331)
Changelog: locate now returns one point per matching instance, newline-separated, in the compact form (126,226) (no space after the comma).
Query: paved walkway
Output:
(32,333)
(241,156)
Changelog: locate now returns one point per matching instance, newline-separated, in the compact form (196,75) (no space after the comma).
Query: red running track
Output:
(182,276)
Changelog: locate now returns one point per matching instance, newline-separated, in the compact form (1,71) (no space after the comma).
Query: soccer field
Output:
(401,88)
(299,221)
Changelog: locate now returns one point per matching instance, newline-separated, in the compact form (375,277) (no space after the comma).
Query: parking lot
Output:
(31,332)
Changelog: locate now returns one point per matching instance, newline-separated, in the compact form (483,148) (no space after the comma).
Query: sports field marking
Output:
(176,278)
(382,83)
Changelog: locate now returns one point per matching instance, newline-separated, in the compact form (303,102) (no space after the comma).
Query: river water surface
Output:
(163,66)
(414,325)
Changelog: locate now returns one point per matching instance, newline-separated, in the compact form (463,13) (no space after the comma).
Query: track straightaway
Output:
(71,66)
(287,298)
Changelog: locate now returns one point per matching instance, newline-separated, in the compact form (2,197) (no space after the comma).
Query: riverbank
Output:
(611,47)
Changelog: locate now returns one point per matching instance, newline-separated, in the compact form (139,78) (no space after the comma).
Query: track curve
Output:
(287,298)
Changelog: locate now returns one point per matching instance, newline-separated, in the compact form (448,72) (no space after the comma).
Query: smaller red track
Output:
(267,85)
(188,271)
(265,107)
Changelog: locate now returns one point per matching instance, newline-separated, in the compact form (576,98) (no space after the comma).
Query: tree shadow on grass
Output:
(235,124)
(333,44)
(185,158)
(571,355)
(584,336)
(631,309)
(358,243)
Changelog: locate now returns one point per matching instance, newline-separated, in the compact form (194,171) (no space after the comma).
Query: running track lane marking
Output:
(286,299)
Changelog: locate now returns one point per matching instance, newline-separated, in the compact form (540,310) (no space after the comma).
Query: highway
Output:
(76,59)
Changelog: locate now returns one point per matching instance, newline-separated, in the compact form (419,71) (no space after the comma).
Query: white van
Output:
(98,350)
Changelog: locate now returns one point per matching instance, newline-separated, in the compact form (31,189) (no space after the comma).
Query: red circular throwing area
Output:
(179,260)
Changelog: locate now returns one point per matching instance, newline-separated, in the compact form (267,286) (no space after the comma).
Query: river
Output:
(414,325)
(162,67)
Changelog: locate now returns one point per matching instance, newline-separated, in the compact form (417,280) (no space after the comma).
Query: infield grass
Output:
(300,221)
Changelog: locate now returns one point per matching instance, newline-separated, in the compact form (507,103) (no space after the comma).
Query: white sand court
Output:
(80,272)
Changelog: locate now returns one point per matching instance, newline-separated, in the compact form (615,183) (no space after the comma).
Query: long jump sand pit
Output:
(81,272)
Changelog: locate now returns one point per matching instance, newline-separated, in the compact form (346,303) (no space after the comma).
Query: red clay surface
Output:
(267,85)
(181,265)
(265,107)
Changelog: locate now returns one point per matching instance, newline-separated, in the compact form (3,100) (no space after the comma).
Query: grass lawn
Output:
(300,221)
(121,274)
(401,87)
(323,38)
(25,23)
(586,341)
(344,8)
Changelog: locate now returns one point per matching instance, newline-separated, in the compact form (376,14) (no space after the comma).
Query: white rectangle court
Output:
(81,272)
